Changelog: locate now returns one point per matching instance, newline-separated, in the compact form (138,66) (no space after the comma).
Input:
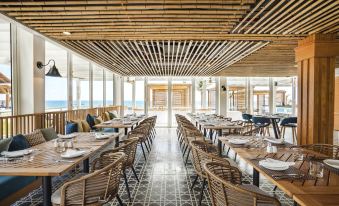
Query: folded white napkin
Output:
(102,135)
(272,163)
(16,153)
(274,141)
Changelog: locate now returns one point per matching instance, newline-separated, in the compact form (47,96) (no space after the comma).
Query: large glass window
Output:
(56,87)
(80,83)
(5,69)
(260,94)
(139,96)
(181,97)
(158,99)
(236,93)
(109,88)
(128,91)
(98,86)
(283,95)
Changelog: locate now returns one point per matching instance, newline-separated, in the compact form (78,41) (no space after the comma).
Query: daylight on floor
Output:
(169,102)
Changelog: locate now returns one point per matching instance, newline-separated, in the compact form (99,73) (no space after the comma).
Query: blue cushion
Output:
(90,120)
(11,184)
(18,142)
(110,130)
(71,127)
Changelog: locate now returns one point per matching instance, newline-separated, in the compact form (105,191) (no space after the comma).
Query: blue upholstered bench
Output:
(14,187)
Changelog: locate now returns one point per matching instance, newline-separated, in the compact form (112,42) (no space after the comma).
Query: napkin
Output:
(274,163)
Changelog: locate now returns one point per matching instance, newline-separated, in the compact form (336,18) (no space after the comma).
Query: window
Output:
(139,96)
(98,86)
(260,94)
(5,69)
(109,88)
(236,93)
(56,87)
(128,87)
(80,83)
(283,95)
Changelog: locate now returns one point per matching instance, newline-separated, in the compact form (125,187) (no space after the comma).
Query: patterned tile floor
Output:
(164,179)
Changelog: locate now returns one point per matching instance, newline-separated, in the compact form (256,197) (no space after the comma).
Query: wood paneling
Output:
(336,104)
(316,76)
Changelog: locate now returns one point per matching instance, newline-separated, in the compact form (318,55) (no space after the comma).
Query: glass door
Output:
(157,103)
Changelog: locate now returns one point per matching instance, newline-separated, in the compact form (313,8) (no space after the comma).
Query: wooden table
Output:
(44,161)
(219,128)
(120,124)
(329,185)
(317,200)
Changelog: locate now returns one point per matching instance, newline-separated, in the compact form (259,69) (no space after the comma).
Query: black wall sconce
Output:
(53,71)
(223,88)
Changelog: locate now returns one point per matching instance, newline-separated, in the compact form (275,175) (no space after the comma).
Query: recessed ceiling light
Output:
(66,33)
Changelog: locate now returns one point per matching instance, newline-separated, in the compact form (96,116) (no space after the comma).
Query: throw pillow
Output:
(49,133)
(85,126)
(4,144)
(112,115)
(35,138)
(98,120)
(71,127)
(19,142)
(78,122)
(90,120)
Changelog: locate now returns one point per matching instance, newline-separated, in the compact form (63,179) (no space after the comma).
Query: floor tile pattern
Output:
(164,179)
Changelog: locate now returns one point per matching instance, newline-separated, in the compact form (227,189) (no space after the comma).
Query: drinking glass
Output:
(60,147)
(298,154)
(316,169)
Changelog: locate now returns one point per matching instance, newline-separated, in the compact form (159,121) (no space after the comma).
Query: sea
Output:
(62,104)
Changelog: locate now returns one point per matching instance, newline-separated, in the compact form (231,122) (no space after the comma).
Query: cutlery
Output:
(285,176)
(66,161)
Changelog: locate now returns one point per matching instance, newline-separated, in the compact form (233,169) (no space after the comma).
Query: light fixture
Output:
(66,33)
(53,71)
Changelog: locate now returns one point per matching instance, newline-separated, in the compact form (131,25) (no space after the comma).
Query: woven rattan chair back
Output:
(224,182)
(96,188)
(128,146)
(202,153)
(329,150)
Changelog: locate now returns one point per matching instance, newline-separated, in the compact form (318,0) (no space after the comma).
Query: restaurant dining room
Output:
(169,102)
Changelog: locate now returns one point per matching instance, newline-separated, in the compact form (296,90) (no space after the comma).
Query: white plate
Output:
(275,141)
(72,153)
(332,162)
(277,168)
(67,136)
(238,141)
(101,136)
(18,153)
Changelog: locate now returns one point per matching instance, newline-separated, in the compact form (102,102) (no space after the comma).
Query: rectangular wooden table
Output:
(117,124)
(45,162)
(328,185)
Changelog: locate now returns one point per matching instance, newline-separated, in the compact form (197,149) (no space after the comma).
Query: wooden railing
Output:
(27,123)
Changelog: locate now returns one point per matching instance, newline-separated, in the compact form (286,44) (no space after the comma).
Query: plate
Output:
(72,153)
(101,136)
(238,141)
(67,136)
(277,168)
(332,162)
(275,141)
(18,153)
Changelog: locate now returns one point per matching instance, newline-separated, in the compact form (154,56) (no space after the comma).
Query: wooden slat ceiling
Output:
(167,58)
(134,37)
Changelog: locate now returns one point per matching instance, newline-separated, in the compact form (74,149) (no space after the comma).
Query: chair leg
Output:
(143,151)
(185,150)
(195,180)
(119,200)
(146,147)
(202,191)
(126,184)
(135,174)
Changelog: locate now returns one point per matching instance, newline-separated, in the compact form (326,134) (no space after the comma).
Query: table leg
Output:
(47,190)
(117,140)
(219,132)
(256,177)
(211,134)
(220,147)
(275,128)
(85,163)
(205,132)
(126,131)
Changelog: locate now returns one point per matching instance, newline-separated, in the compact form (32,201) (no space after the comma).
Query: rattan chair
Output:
(129,147)
(226,189)
(202,153)
(96,188)
(332,151)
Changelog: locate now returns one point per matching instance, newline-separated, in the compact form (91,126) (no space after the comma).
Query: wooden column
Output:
(316,73)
